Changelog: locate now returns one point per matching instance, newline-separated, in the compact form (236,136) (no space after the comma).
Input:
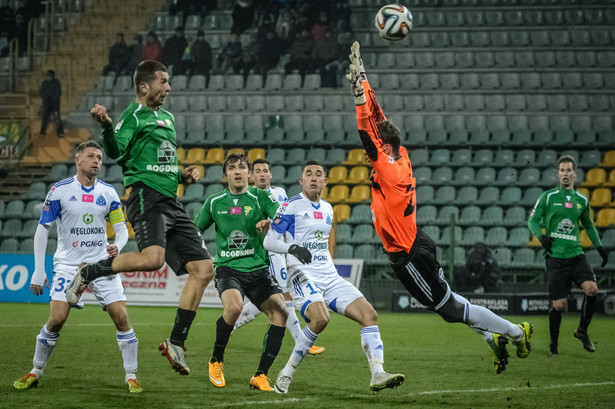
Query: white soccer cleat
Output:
(383,380)
(176,356)
(76,287)
(282,383)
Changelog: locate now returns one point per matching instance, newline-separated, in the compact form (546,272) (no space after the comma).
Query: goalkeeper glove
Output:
(355,59)
(356,87)
(302,254)
(547,243)
(604,254)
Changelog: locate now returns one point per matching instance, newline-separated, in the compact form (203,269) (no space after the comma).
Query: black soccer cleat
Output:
(587,344)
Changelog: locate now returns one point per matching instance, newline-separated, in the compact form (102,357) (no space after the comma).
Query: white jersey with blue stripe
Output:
(80,214)
(277,261)
(308,224)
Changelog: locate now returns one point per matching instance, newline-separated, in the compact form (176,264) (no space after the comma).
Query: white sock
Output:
(482,319)
(45,342)
(373,348)
(292,322)
(302,346)
(128,343)
(248,313)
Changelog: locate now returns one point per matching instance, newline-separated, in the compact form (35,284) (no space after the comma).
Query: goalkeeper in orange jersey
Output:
(411,252)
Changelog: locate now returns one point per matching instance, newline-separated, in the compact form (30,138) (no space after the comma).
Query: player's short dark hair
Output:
(87,144)
(313,162)
(389,134)
(567,159)
(146,72)
(265,161)
(233,158)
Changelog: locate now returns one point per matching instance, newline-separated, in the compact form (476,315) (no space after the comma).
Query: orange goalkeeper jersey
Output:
(393,186)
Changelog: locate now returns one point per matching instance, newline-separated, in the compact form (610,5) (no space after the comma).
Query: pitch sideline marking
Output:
(262,402)
(525,388)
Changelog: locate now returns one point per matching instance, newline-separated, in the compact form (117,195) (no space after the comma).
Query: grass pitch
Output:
(446,365)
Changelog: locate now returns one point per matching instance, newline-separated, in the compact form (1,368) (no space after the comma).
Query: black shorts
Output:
(257,285)
(561,272)
(159,220)
(420,272)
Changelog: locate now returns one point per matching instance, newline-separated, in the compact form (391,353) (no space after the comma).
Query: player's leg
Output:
(590,288)
(560,282)
(275,309)
(232,302)
(345,299)
(310,301)
(127,342)
(248,313)
(45,340)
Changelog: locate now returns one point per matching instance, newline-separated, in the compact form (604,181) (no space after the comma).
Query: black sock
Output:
(271,346)
(223,333)
(589,306)
(101,268)
(555,319)
(183,321)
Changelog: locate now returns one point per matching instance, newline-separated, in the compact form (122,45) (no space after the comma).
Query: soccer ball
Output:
(393,22)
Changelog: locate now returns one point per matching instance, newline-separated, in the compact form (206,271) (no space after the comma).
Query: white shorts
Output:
(331,289)
(277,268)
(106,289)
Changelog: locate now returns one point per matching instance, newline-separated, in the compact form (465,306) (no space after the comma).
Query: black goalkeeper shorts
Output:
(562,272)
(159,220)
(257,285)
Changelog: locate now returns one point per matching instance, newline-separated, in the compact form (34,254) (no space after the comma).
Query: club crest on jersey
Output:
(87,198)
(329,220)
(247,209)
(235,210)
(318,215)
(100,201)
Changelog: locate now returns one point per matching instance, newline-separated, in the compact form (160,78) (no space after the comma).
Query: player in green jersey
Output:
(144,143)
(560,209)
(242,265)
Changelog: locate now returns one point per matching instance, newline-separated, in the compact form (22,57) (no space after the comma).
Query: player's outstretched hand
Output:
(604,254)
(99,114)
(355,59)
(547,243)
(302,254)
(190,174)
(356,87)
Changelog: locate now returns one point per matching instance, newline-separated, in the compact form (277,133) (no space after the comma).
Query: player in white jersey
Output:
(317,287)
(80,206)
(261,175)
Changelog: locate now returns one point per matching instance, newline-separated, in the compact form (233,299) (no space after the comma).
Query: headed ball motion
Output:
(393,22)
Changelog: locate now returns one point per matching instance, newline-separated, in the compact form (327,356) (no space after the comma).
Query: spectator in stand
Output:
(249,56)
(243,16)
(321,27)
(20,32)
(7,18)
(326,50)
(174,48)
(119,56)
(230,56)
(270,49)
(300,51)
(344,37)
(201,56)
(50,92)
(136,50)
(340,10)
(152,49)
(286,24)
